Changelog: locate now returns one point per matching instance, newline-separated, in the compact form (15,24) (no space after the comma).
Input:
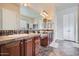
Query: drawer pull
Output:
(21,42)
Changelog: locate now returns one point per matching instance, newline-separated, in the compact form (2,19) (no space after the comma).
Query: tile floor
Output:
(64,48)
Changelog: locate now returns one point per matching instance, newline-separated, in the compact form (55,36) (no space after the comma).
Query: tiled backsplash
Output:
(10,32)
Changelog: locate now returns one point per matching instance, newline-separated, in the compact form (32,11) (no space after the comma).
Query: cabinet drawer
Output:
(28,47)
(12,49)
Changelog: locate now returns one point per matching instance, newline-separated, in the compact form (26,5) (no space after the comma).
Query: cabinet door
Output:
(44,41)
(0,50)
(37,45)
(28,47)
(22,48)
(68,26)
(11,49)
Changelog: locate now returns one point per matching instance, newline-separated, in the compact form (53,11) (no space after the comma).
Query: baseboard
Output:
(70,41)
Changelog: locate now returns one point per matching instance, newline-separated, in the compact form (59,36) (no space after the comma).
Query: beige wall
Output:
(10,6)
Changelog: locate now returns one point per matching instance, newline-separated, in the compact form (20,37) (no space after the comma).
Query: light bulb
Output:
(25,4)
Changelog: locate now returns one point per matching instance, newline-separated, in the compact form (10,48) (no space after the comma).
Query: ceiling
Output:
(50,8)
(60,6)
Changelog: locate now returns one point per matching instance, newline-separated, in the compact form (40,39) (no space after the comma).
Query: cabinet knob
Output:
(21,42)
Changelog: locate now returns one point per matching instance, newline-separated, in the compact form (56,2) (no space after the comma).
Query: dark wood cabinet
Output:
(36,45)
(21,47)
(28,47)
(0,50)
(10,49)
(32,46)
(44,41)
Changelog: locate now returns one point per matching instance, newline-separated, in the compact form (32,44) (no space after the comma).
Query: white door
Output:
(65,27)
(71,24)
(68,27)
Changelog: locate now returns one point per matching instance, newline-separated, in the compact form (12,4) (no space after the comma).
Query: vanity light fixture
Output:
(25,4)
(44,14)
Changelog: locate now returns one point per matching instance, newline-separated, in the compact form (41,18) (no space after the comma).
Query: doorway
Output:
(68,27)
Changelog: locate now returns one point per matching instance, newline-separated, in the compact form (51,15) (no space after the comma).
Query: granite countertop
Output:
(9,38)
